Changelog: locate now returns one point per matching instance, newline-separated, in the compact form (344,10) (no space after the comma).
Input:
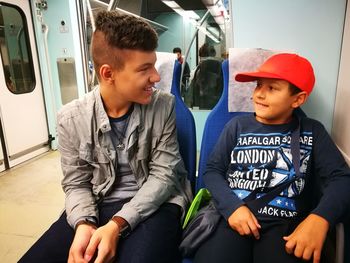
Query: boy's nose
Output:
(155,76)
(260,92)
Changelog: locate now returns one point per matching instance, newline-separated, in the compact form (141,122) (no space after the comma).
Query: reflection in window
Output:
(207,49)
(206,85)
(15,50)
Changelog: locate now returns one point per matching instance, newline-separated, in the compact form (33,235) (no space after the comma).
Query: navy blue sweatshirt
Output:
(250,154)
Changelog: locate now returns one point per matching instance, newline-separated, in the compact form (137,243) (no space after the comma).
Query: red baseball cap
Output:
(290,67)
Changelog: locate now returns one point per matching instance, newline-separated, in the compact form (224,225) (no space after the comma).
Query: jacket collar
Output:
(102,119)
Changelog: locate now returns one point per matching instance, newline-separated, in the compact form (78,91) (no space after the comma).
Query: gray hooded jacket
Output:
(88,157)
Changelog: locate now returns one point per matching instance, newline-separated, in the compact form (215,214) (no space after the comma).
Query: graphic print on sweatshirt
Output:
(265,160)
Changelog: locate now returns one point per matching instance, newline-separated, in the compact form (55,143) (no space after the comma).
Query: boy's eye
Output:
(144,68)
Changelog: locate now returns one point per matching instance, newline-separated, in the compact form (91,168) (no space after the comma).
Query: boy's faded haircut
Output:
(115,31)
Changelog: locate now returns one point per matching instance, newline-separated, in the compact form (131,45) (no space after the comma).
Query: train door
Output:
(24,132)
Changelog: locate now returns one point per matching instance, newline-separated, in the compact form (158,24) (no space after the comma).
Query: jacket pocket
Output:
(93,156)
(100,163)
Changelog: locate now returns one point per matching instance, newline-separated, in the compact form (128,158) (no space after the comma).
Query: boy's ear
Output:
(106,73)
(300,99)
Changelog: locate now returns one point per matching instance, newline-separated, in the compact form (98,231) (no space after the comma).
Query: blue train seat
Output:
(186,129)
(214,124)
(212,129)
(170,71)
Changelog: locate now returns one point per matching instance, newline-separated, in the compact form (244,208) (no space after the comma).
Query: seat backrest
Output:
(214,124)
(186,130)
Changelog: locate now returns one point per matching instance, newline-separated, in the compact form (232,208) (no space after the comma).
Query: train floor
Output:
(31,199)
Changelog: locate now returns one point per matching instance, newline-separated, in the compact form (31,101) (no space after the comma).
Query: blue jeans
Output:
(154,240)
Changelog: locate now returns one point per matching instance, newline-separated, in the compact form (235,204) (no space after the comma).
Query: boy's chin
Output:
(144,101)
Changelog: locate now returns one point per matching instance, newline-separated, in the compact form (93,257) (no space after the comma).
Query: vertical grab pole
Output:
(189,47)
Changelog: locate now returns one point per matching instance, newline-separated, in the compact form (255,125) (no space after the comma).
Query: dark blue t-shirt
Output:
(250,155)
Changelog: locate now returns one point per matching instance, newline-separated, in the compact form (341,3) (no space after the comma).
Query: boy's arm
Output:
(215,173)
(334,175)
(232,208)
(80,204)
(307,239)
(77,175)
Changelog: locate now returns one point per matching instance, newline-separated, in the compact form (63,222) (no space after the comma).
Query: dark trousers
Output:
(154,240)
(226,245)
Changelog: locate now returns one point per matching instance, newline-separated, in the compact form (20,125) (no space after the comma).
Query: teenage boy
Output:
(254,151)
(124,179)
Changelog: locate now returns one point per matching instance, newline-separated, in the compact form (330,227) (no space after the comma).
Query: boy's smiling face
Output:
(273,102)
(134,82)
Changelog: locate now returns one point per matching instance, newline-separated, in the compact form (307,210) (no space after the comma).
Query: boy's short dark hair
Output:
(177,49)
(115,32)
(293,89)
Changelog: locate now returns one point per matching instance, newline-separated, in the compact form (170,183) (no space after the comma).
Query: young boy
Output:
(124,179)
(254,151)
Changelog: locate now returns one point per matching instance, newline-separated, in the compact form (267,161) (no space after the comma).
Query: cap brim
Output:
(252,76)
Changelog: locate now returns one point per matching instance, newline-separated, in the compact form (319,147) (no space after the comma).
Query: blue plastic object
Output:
(214,124)
(186,129)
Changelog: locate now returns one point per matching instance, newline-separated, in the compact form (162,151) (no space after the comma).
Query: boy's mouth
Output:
(148,90)
(261,105)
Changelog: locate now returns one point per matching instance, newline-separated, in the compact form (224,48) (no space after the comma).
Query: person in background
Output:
(206,86)
(186,72)
(125,183)
(203,51)
(255,153)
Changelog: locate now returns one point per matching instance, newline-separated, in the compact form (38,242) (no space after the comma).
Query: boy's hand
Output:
(104,241)
(308,238)
(81,240)
(244,222)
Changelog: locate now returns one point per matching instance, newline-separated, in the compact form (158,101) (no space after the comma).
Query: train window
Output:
(15,50)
